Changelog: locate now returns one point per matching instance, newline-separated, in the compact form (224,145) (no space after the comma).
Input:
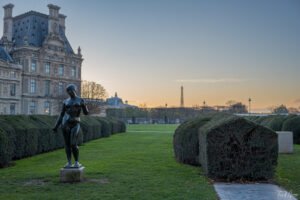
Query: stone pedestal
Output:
(70,175)
(285,141)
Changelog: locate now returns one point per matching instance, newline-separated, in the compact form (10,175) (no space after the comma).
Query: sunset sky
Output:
(218,50)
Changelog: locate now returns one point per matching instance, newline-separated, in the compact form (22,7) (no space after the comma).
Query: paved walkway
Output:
(251,192)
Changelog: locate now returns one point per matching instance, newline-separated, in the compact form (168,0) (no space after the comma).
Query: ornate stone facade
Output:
(38,43)
(10,88)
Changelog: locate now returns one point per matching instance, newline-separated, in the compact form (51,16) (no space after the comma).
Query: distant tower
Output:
(249,108)
(181,98)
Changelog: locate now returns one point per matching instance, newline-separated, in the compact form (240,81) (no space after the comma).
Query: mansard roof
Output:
(31,28)
(4,55)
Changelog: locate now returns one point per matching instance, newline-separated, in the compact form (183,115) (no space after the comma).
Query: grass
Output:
(288,171)
(138,164)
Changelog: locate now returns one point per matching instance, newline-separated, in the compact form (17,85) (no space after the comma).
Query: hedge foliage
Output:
(22,136)
(185,140)
(229,147)
(280,123)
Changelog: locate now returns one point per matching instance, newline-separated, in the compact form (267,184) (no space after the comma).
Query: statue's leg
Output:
(67,138)
(74,141)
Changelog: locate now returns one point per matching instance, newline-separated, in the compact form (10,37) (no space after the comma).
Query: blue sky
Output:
(218,50)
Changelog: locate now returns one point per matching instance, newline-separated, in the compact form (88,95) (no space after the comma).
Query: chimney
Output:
(8,21)
(62,21)
(53,23)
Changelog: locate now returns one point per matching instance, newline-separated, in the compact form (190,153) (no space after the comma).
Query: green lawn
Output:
(138,164)
(288,171)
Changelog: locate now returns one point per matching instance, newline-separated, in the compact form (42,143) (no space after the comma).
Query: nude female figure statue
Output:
(69,120)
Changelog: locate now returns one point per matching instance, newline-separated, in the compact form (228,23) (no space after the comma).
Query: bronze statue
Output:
(69,121)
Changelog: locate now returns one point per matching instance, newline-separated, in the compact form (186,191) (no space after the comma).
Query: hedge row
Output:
(185,140)
(227,147)
(280,123)
(22,136)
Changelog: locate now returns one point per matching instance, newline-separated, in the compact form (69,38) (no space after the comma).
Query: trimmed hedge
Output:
(229,147)
(46,138)
(5,150)
(106,130)
(280,123)
(7,138)
(293,124)
(22,136)
(91,128)
(117,125)
(185,140)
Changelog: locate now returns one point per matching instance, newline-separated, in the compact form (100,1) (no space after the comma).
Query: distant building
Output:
(116,102)
(38,43)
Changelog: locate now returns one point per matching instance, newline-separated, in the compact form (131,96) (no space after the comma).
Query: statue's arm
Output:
(84,107)
(59,119)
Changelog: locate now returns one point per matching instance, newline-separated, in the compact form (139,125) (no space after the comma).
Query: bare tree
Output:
(95,94)
(92,90)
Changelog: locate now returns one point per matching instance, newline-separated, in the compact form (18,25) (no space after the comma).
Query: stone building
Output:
(10,84)
(117,102)
(39,44)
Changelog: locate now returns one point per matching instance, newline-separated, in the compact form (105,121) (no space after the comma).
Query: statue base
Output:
(71,175)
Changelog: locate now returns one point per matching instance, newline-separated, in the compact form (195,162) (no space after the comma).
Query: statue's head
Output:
(71,90)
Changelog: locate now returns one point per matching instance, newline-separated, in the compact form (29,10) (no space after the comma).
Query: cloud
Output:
(223,80)
(297,100)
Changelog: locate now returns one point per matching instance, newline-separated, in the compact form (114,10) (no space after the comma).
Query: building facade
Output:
(117,102)
(37,42)
(10,85)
